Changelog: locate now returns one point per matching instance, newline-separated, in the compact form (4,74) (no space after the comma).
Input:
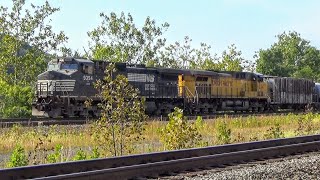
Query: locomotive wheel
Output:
(54,113)
(261,109)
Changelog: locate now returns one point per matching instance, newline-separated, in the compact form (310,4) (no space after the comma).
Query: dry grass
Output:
(242,130)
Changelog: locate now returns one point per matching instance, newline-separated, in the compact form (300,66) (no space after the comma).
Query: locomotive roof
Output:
(190,72)
(84,61)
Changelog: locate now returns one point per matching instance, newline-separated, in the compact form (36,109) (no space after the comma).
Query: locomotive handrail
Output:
(197,96)
(190,93)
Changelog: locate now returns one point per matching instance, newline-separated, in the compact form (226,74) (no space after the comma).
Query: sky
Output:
(249,24)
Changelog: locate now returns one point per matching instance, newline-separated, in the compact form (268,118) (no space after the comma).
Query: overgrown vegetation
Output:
(18,157)
(47,144)
(179,133)
(26,40)
(122,117)
(223,133)
(274,132)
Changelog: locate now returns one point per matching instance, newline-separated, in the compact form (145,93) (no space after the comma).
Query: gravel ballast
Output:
(306,166)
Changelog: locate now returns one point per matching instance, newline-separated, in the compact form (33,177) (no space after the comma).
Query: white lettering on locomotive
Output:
(87,78)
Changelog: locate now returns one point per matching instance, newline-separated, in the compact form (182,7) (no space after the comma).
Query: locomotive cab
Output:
(64,79)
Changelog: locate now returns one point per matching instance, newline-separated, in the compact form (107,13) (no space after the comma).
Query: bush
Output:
(122,115)
(274,132)
(56,156)
(179,133)
(223,133)
(18,157)
(15,100)
(305,125)
(95,153)
(80,155)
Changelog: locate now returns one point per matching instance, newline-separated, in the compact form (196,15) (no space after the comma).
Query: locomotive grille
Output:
(55,85)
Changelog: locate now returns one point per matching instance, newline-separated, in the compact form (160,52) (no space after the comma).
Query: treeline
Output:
(27,41)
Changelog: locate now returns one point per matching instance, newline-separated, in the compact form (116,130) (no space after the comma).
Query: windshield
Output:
(69,66)
(59,66)
(52,67)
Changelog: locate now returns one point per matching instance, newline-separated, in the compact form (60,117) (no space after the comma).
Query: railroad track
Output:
(4,123)
(235,115)
(165,163)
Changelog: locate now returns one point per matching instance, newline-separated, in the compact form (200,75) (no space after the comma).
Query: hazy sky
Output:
(250,24)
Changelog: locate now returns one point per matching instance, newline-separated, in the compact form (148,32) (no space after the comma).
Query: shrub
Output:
(18,157)
(80,155)
(122,116)
(56,156)
(305,124)
(179,133)
(95,153)
(223,133)
(274,132)
(15,100)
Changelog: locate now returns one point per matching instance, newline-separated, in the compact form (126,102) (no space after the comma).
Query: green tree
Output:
(183,55)
(119,39)
(290,56)
(15,100)
(204,60)
(26,39)
(122,114)
(178,55)
(179,133)
(231,59)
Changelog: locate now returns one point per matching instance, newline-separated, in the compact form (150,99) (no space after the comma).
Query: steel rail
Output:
(166,167)
(6,123)
(161,160)
(39,119)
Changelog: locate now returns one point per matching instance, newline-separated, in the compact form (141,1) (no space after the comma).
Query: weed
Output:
(199,122)
(18,157)
(274,132)
(253,138)
(223,133)
(239,138)
(299,131)
(95,153)
(179,133)
(80,155)
(56,155)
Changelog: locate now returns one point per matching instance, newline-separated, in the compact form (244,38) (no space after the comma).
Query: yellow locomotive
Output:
(211,91)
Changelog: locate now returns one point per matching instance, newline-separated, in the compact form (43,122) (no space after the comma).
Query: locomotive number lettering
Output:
(87,78)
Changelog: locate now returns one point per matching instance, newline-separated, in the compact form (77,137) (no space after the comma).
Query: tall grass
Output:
(42,139)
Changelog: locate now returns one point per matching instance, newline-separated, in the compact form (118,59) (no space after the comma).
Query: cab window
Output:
(87,69)
(69,66)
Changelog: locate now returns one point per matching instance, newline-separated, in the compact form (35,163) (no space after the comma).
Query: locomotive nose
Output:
(51,75)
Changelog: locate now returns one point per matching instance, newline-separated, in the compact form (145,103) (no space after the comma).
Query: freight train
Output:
(68,82)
